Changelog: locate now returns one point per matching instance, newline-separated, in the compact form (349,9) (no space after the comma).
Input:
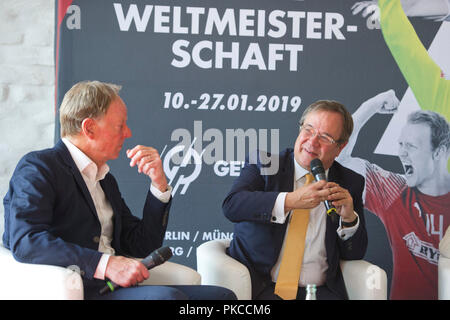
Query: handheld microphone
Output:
(157,257)
(318,172)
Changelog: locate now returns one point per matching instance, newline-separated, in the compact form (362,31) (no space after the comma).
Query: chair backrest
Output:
(27,281)
(2,224)
(444,267)
(363,280)
(444,278)
(170,273)
(217,268)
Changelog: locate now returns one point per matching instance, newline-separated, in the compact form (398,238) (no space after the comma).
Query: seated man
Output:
(64,208)
(264,207)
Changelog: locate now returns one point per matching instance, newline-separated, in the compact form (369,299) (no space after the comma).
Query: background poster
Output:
(206,82)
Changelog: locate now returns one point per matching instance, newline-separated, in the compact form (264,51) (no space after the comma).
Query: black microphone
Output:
(318,172)
(157,257)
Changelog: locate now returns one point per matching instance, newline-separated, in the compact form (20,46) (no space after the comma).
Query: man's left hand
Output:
(342,200)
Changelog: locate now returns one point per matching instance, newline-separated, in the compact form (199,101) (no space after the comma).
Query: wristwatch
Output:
(349,224)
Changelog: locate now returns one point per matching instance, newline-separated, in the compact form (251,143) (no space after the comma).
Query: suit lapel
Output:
(330,233)
(285,184)
(287,173)
(333,173)
(67,159)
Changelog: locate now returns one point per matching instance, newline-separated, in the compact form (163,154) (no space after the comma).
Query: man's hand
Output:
(386,102)
(367,8)
(310,196)
(306,197)
(148,161)
(125,272)
(342,200)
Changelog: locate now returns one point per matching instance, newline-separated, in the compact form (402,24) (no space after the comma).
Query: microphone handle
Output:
(149,264)
(320,176)
(331,210)
(110,287)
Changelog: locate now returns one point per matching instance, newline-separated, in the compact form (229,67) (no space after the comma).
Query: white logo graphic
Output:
(225,151)
(73,281)
(373,280)
(171,173)
(439,51)
(421,249)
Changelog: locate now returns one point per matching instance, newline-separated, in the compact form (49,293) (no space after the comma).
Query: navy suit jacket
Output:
(257,241)
(50,217)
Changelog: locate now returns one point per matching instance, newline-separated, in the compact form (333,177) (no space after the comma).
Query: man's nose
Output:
(314,140)
(128,133)
(402,151)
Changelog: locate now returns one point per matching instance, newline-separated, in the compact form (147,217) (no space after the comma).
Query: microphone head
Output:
(316,166)
(161,255)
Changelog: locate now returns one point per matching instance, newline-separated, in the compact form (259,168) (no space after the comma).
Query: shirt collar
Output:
(300,172)
(85,164)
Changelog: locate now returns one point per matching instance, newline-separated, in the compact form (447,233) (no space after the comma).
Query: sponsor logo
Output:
(421,249)
(172,169)
(225,152)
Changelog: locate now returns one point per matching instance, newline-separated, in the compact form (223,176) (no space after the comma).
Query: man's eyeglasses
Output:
(310,132)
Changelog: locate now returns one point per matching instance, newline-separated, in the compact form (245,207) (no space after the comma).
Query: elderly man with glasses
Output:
(263,208)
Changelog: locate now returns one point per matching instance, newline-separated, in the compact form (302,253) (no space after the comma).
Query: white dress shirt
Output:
(92,176)
(314,264)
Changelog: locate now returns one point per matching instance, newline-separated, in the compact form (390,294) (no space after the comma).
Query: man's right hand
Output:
(306,197)
(125,272)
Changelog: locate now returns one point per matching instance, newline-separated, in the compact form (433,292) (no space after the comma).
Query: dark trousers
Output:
(322,293)
(91,292)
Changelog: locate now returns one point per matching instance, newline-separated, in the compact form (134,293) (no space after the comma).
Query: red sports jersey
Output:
(415,223)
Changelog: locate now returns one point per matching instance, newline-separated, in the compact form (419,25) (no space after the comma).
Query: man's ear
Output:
(88,127)
(439,152)
(341,146)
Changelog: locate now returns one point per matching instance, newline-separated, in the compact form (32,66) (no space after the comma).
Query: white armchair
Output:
(444,278)
(44,282)
(444,267)
(363,280)
(218,268)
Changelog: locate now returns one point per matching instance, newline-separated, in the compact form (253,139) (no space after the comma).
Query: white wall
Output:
(27,78)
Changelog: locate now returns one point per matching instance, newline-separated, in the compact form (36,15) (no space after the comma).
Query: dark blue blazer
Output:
(50,216)
(257,241)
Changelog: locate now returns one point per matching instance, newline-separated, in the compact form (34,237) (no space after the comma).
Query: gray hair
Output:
(332,106)
(87,99)
(440,132)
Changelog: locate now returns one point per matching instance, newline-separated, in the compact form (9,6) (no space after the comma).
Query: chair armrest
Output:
(363,280)
(26,281)
(444,278)
(170,273)
(219,269)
